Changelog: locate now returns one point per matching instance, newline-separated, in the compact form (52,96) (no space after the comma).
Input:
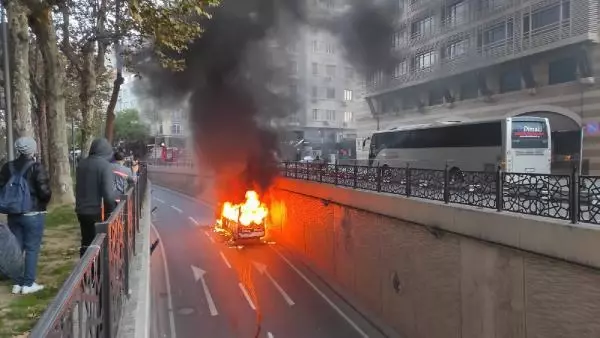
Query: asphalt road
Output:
(203,288)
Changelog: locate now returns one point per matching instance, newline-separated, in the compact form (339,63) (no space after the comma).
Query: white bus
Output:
(517,144)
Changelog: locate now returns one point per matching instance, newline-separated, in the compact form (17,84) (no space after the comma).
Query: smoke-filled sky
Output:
(228,69)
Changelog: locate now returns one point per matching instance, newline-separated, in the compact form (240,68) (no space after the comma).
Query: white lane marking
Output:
(209,237)
(225,259)
(320,293)
(173,192)
(270,335)
(158,200)
(263,271)
(199,275)
(170,310)
(194,221)
(245,292)
(177,209)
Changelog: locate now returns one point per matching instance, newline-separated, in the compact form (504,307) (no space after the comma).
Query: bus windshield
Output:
(529,134)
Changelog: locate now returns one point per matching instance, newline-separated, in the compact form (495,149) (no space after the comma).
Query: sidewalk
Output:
(135,319)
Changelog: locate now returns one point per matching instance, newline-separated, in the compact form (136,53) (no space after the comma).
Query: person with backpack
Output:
(95,196)
(24,195)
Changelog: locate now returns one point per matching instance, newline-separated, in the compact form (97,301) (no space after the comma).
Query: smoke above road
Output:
(233,81)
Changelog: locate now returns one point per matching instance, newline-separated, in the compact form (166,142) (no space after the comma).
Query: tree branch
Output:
(66,47)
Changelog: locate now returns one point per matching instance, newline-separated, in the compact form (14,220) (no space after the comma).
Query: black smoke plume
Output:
(228,75)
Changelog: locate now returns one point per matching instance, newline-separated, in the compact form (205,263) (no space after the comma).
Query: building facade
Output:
(327,89)
(465,60)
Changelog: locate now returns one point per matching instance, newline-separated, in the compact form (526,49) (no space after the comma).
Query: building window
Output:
(563,70)
(422,27)
(293,90)
(348,116)
(546,16)
(398,39)
(349,73)
(315,114)
(347,95)
(331,93)
(498,34)
(401,69)
(436,97)
(315,92)
(425,60)
(469,89)
(315,46)
(457,14)
(510,81)
(315,68)
(331,115)
(330,48)
(455,49)
(175,129)
(330,70)
(160,129)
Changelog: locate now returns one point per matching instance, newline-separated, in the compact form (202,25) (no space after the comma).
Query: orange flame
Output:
(252,211)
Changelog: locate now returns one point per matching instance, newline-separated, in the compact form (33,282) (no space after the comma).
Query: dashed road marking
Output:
(247,296)
(177,209)
(225,259)
(194,221)
(158,200)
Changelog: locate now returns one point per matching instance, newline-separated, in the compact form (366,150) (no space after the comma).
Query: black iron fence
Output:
(570,197)
(90,302)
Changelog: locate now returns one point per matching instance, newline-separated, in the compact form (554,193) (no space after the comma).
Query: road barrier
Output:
(569,197)
(90,302)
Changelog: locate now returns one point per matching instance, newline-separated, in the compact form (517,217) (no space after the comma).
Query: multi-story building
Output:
(481,59)
(327,88)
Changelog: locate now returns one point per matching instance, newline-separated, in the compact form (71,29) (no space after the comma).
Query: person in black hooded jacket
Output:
(94,185)
(28,228)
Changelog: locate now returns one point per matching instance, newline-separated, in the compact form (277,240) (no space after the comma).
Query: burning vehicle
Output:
(244,221)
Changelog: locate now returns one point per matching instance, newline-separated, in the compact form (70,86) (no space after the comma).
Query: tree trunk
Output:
(43,130)
(87,95)
(19,57)
(60,178)
(110,111)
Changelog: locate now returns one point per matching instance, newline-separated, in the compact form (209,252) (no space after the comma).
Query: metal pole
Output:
(7,89)
(73,144)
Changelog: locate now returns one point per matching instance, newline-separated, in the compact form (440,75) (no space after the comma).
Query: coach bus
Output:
(516,144)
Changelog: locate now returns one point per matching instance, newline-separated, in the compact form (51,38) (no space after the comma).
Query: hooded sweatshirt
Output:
(94,181)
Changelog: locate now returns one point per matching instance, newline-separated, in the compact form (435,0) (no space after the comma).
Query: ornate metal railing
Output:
(90,302)
(569,197)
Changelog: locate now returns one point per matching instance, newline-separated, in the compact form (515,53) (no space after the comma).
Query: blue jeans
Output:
(29,231)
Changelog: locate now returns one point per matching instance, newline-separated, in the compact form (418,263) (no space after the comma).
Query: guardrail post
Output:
(105,304)
(407,190)
(127,232)
(337,174)
(379,177)
(296,170)
(574,195)
(307,171)
(320,166)
(355,175)
(446,185)
(499,189)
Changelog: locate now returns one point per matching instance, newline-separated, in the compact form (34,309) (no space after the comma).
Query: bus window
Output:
(529,134)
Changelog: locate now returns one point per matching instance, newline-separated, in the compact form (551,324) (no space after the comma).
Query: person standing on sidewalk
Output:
(28,226)
(95,196)
(123,176)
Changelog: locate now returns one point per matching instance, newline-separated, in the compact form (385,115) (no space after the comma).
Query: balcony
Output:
(519,41)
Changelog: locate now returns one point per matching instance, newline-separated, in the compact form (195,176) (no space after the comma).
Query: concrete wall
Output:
(429,282)
(184,180)
(468,273)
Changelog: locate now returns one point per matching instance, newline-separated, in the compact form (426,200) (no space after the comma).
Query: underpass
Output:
(430,269)
(203,287)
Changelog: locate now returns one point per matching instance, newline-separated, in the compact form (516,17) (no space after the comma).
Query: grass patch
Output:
(60,253)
